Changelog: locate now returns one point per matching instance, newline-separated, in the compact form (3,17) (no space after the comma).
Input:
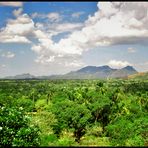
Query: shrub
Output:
(15,129)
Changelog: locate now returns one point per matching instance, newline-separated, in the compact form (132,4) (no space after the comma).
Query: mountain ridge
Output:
(88,72)
(21,76)
(101,72)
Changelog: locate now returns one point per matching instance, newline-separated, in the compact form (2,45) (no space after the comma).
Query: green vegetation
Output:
(15,129)
(74,112)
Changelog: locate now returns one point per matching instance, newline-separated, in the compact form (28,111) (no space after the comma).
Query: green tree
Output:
(71,115)
(128,131)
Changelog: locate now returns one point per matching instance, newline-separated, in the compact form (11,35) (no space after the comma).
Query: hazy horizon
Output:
(47,38)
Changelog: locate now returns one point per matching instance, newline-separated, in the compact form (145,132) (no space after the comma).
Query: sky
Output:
(46,38)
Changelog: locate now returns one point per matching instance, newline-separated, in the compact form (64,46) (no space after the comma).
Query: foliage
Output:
(74,112)
(128,131)
(71,115)
(15,129)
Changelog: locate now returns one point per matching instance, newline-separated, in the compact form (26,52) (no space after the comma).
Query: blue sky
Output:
(45,38)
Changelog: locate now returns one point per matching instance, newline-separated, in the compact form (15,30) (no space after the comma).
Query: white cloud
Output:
(57,28)
(64,27)
(118,64)
(52,16)
(12,4)
(21,26)
(14,39)
(17,12)
(114,23)
(131,50)
(8,55)
(77,14)
(45,60)
(48,51)
(16,30)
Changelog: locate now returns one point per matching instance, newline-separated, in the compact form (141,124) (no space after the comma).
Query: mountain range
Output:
(88,72)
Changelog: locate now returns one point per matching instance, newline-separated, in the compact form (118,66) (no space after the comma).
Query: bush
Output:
(15,129)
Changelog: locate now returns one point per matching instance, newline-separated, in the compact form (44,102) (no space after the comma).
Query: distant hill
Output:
(124,72)
(88,72)
(94,69)
(21,76)
(102,72)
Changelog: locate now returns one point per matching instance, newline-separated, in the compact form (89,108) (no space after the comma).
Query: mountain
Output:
(94,69)
(88,72)
(102,72)
(124,72)
(21,76)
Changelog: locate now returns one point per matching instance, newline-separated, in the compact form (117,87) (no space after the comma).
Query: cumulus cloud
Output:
(20,30)
(17,12)
(8,55)
(12,4)
(117,23)
(114,23)
(118,64)
(16,30)
(61,61)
